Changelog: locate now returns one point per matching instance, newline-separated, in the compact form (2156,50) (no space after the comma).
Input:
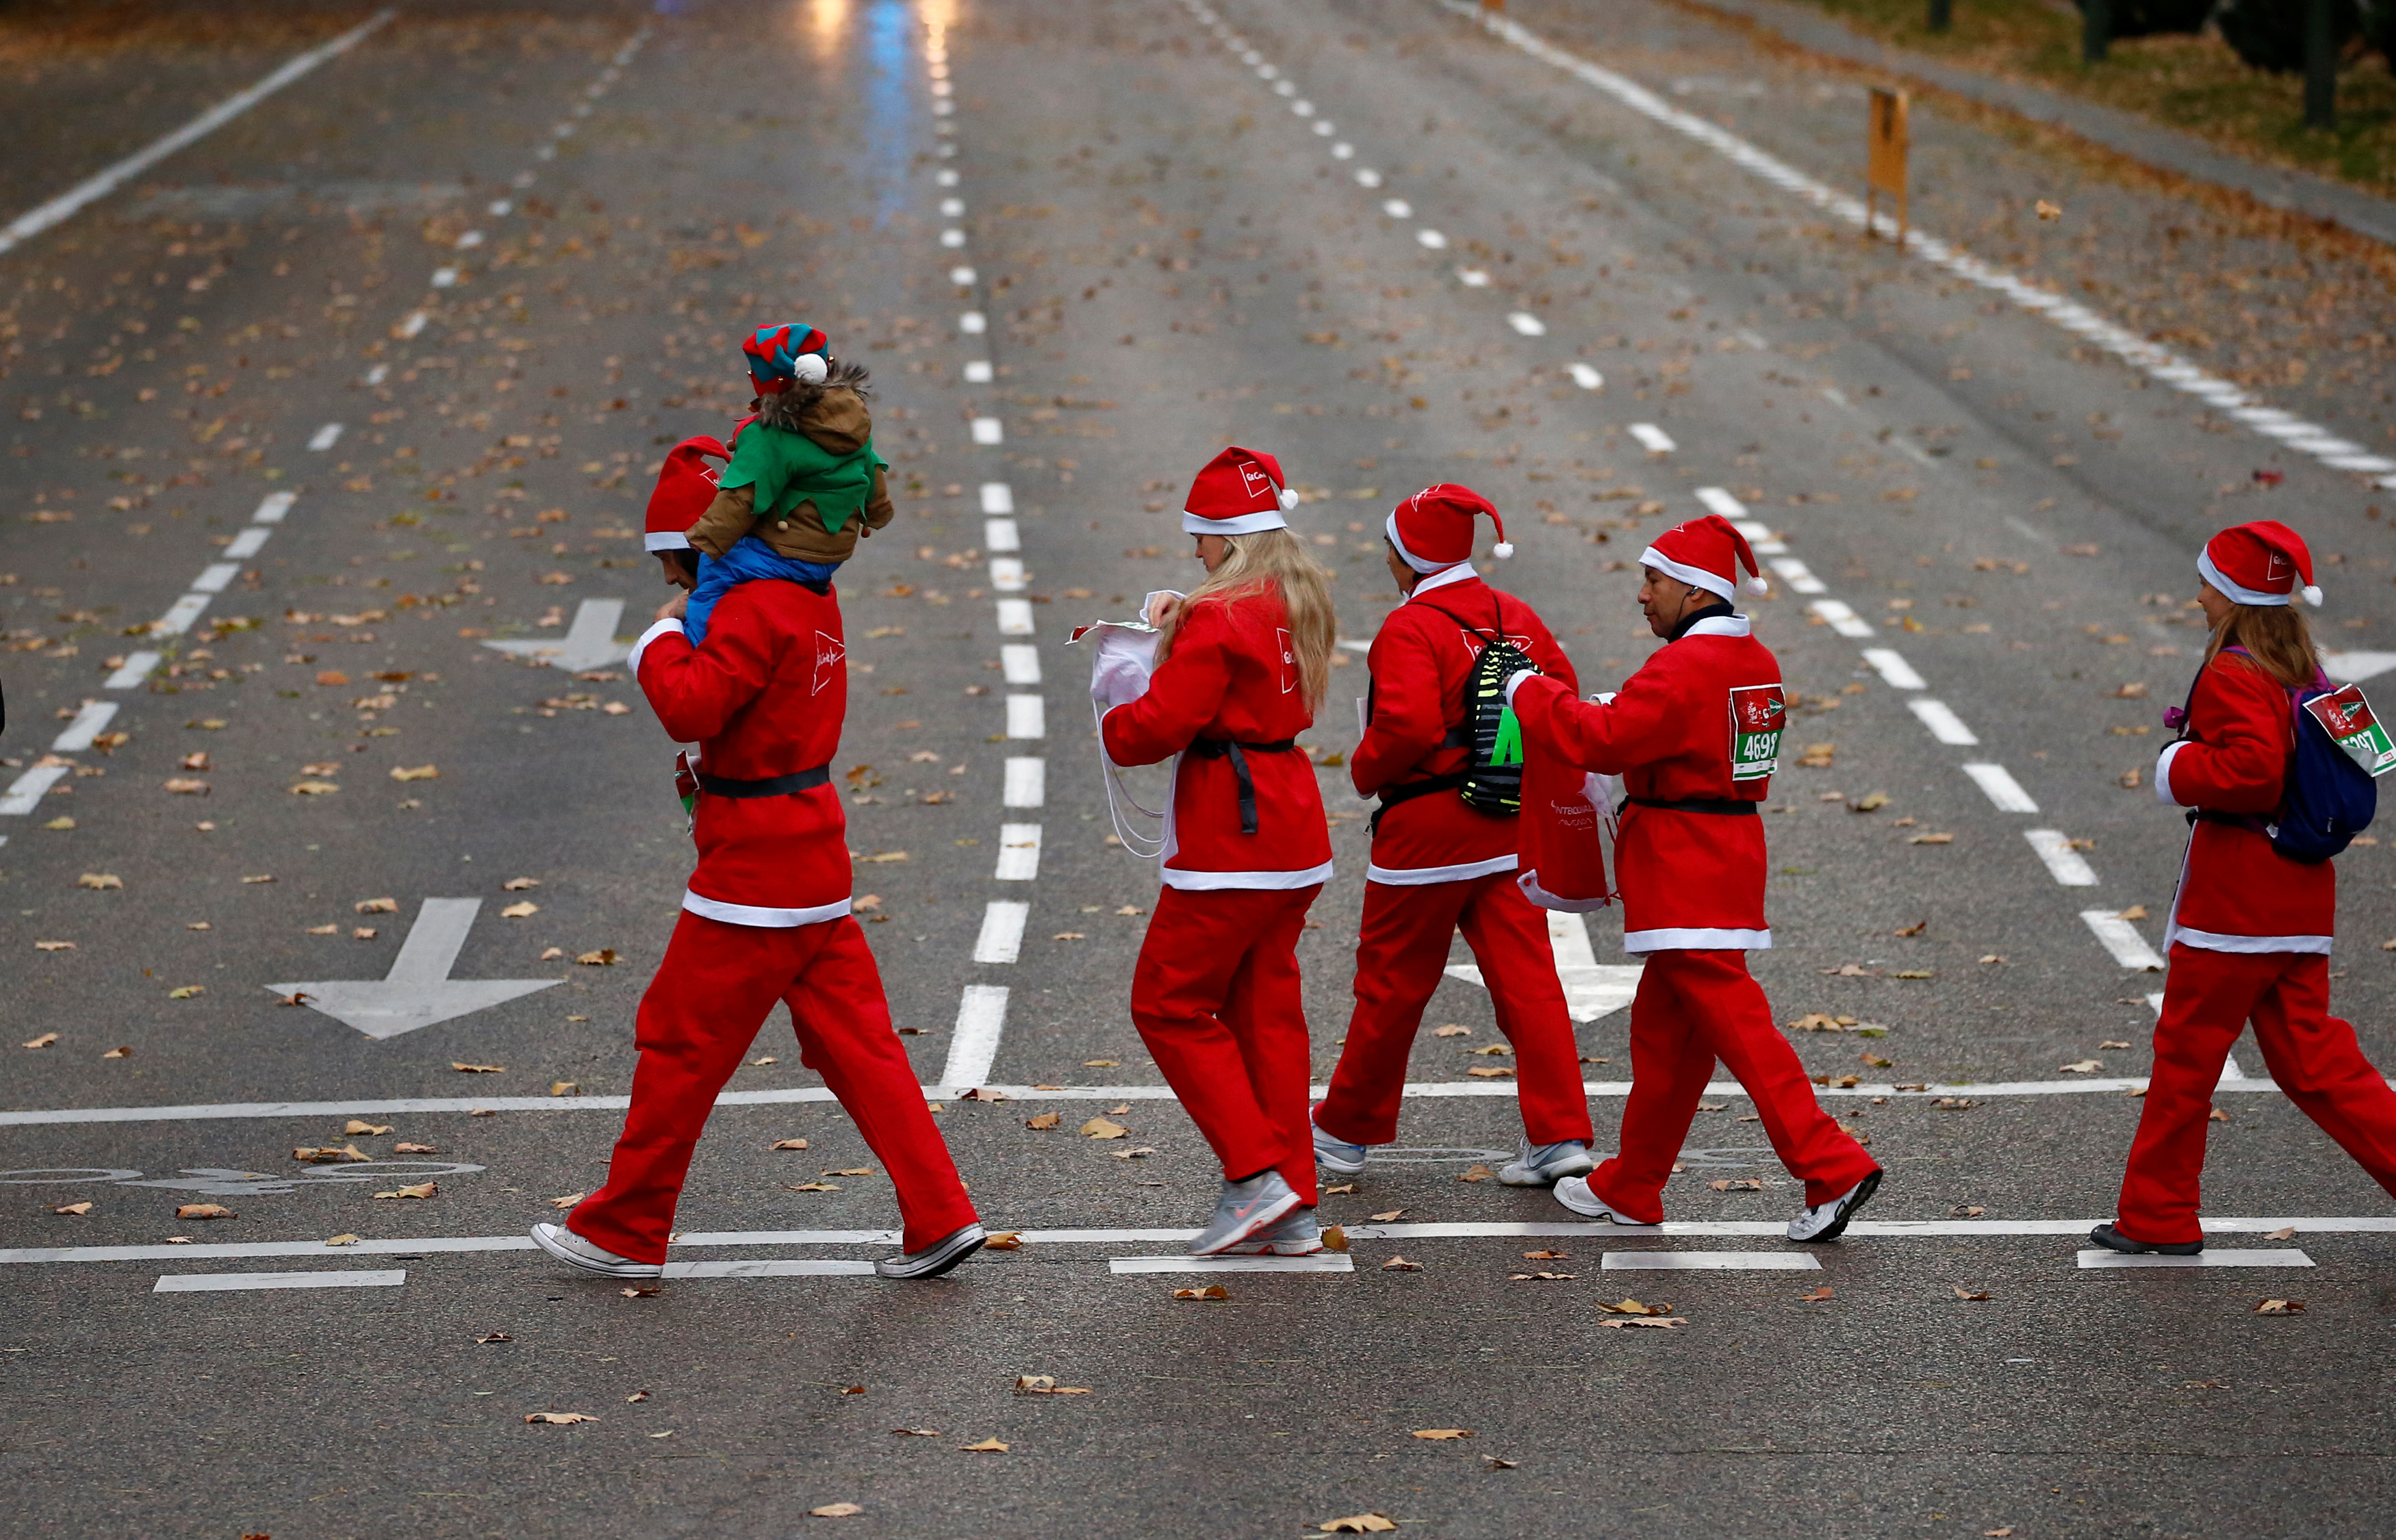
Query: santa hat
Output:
(685,485)
(2258,563)
(1240,492)
(780,357)
(1433,529)
(1709,552)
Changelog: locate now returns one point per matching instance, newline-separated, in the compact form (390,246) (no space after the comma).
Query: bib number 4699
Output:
(1759,713)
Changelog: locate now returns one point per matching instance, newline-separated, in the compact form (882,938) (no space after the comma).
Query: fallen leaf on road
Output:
(1334,1238)
(2216,1115)
(2081,1067)
(1384,1217)
(1950,1104)
(42,1042)
(414,1189)
(568,1200)
(788,1144)
(1487,1071)
(988,1446)
(415,1150)
(376,906)
(1399,1264)
(203,1210)
(53,946)
(565,1088)
(1633,1308)
(100,882)
(260,877)
(604,958)
(1930,839)
(1661,1322)
(643,1292)
(559,1419)
(1452,1030)
(1870,803)
(2285,1232)
(324,1154)
(313,788)
(182,787)
(836,1510)
(519,884)
(1442,1433)
(479,1068)
(1477,1172)
(344,1238)
(851,1171)
(359,1125)
(1100,1128)
(118,1054)
(1547,1257)
(1962,1293)
(552,954)
(1743,1184)
(2280,1306)
(82,1208)
(1045,1119)
(810,1187)
(1494,1463)
(493,1336)
(1003,1240)
(1212,1291)
(525,910)
(1815,1296)
(423,772)
(1357,1523)
(1541,1278)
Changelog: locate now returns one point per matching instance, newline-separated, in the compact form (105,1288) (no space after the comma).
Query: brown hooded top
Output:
(833,415)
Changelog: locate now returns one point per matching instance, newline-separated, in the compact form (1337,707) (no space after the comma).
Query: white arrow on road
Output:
(590,642)
(418,990)
(2354,667)
(1591,988)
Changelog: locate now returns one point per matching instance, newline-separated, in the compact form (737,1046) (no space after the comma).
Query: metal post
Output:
(2321,67)
(1942,15)
(2096,29)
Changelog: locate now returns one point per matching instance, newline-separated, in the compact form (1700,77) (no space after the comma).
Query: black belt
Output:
(1391,796)
(1726,806)
(2235,820)
(770,786)
(1231,748)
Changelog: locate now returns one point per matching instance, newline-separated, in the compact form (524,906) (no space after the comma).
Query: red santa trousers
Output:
(1215,995)
(696,1020)
(1692,1008)
(2209,999)
(1399,960)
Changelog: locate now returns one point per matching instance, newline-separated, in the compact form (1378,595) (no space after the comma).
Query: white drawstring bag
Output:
(1123,658)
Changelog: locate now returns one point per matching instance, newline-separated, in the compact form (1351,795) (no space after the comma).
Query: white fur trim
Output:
(2230,590)
(633,660)
(810,367)
(2163,773)
(2217,941)
(1529,883)
(763,918)
(1425,876)
(1503,549)
(1390,527)
(1514,682)
(2312,596)
(1722,625)
(1455,572)
(1208,882)
(1757,585)
(1242,524)
(1287,498)
(1697,938)
(1712,582)
(664,540)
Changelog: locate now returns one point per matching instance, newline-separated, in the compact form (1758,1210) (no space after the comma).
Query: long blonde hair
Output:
(1273,559)
(2275,636)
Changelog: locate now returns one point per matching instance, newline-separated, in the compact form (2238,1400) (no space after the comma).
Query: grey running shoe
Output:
(1244,1208)
(1827,1221)
(2112,1239)
(1544,1165)
(1574,1193)
(1337,1156)
(936,1258)
(582,1257)
(1297,1234)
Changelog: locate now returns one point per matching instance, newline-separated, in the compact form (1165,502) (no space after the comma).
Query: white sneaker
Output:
(1544,1165)
(1337,1156)
(1245,1209)
(582,1257)
(1574,1193)
(936,1258)
(1826,1221)
(1298,1234)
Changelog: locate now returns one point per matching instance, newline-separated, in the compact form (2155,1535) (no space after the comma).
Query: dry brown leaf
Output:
(1212,1291)
(1442,1433)
(519,884)
(1452,1030)
(1357,1523)
(1399,1264)
(2080,1067)
(1662,1322)
(1386,1216)
(604,958)
(1044,1120)
(42,1042)
(2285,1232)
(1003,1240)
(100,882)
(2136,911)
(811,1187)
(851,1171)
(423,772)
(415,1150)
(788,1144)
(1476,1173)
(1815,1296)
(836,1510)
(479,1068)
(1962,1293)
(1341,1188)
(1334,1238)
(1101,1128)
(359,1125)
(414,1189)
(344,1238)
(524,911)
(988,1446)
(568,1200)
(1739,1184)
(559,1419)
(1633,1308)
(644,1292)
(2280,1306)
(76,1209)
(324,1154)
(203,1210)
(53,946)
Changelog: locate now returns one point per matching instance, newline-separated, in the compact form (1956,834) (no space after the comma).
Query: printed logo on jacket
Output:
(828,653)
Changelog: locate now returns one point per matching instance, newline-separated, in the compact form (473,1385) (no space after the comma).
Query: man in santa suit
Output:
(1440,864)
(765,917)
(1694,734)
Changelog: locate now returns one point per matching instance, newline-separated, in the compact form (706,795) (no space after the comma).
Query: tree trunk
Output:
(1942,14)
(2096,29)
(2321,67)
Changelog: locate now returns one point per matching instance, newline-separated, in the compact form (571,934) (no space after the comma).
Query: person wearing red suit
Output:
(2250,929)
(1441,865)
(1694,734)
(1243,662)
(765,917)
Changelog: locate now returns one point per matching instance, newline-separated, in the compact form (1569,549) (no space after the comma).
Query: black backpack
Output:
(1491,780)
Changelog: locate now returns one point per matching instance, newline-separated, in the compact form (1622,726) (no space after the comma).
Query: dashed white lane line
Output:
(1706,1261)
(1797,575)
(1015,618)
(445,277)
(953,238)
(1526,323)
(1944,725)
(1431,239)
(180,615)
(1027,716)
(998,497)
(89,719)
(1027,783)
(248,542)
(136,669)
(218,575)
(961,276)
(981,1018)
(1020,663)
(1584,376)
(1006,574)
(1002,932)
(2005,793)
(2121,939)
(1652,438)
(325,437)
(1321,1262)
(1019,853)
(2243,1257)
(26,791)
(410,325)
(1397,208)
(987,430)
(92,189)
(1894,669)
(972,323)
(977,371)
(1841,618)
(1001,535)
(2065,863)
(363,1278)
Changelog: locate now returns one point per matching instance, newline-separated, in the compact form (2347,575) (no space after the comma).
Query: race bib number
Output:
(2349,719)
(1758,715)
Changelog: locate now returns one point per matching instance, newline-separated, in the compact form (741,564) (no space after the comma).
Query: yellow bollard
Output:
(1889,138)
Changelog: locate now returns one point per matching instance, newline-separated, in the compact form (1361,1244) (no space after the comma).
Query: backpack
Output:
(1492,737)
(2327,795)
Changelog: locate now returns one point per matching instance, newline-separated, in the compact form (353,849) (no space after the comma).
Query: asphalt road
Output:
(508,249)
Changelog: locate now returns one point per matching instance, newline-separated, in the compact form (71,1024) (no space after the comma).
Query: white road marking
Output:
(273,508)
(1719,500)
(1591,988)
(977,371)
(375,1278)
(998,497)
(1027,783)
(2001,789)
(961,276)
(1367,177)
(325,437)
(953,238)
(1398,208)
(1019,662)
(1015,618)
(180,615)
(589,643)
(248,542)
(377,375)
(412,323)
(1652,438)
(1007,574)
(1703,1261)
(417,992)
(1583,376)
(981,1017)
(1321,1262)
(501,208)
(798,1266)
(217,576)
(470,240)
(1842,619)
(1002,932)
(2354,667)
(25,792)
(1892,668)
(1479,278)
(2121,939)
(1797,575)
(1944,725)
(1431,239)
(1527,324)
(93,716)
(2248,1256)
(987,430)
(972,323)
(1019,853)
(135,670)
(1027,716)
(1759,536)
(2067,864)
(445,277)
(1001,535)
(951,208)
(92,189)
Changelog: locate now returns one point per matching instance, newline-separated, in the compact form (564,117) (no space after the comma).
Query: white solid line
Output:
(2121,939)
(1002,932)
(58,209)
(1944,725)
(1891,667)
(88,720)
(1019,662)
(325,437)
(987,430)
(1704,1261)
(1007,574)
(1002,535)
(248,542)
(1796,574)
(971,322)
(1719,500)
(1321,1262)
(1027,783)
(1652,438)
(1527,324)
(180,615)
(1027,716)
(2251,1256)
(273,508)
(1583,376)
(998,497)
(217,576)
(1015,618)
(1842,619)
(413,324)
(135,671)
(2001,788)
(1019,853)
(981,1017)
(378,1277)
(977,371)
(806,1267)
(2069,867)
(25,792)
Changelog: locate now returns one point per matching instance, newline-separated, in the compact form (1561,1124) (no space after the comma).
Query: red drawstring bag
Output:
(1563,825)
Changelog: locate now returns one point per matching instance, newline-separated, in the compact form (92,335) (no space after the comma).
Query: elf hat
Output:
(781,356)
(1707,553)
(1240,492)
(685,485)
(1433,529)
(2258,563)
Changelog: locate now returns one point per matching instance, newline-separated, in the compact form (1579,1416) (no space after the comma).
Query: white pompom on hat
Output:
(1432,530)
(2259,563)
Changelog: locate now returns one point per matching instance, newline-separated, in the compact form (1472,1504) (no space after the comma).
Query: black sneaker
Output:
(2113,1239)
(1829,1221)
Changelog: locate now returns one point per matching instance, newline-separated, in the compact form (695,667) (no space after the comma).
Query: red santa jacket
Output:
(1701,707)
(1233,676)
(2236,891)
(1420,662)
(764,696)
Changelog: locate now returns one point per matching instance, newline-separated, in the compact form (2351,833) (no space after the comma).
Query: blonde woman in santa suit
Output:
(1242,669)
(2250,928)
